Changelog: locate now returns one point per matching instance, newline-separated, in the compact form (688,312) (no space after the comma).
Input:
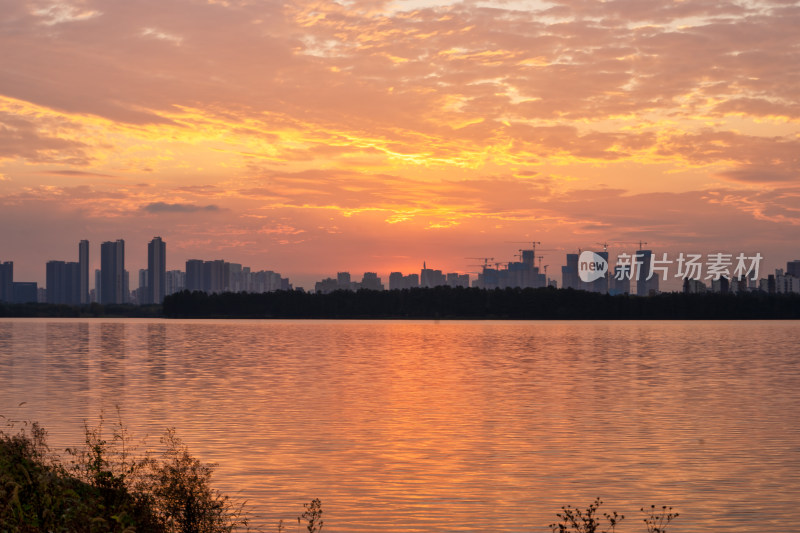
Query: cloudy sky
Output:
(314,137)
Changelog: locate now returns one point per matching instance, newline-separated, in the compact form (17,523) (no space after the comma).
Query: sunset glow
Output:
(311,137)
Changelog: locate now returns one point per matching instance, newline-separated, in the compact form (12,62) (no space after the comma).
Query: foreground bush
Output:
(107,487)
(574,520)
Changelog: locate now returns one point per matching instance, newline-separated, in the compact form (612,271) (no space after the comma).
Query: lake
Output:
(406,426)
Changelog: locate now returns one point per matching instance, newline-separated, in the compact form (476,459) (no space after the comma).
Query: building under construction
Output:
(523,274)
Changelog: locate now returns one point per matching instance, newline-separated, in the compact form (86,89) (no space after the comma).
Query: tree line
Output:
(440,303)
(473,303)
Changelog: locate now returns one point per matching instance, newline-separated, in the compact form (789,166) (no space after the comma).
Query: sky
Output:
(369,135)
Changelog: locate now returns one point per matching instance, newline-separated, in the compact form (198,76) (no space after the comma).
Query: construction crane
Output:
(486,261)
(520,250)
(640,243)
(540,261)
(534,243)
(484,266)
(533,246)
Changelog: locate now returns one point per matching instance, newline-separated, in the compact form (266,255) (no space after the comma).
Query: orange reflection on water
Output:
(405,426)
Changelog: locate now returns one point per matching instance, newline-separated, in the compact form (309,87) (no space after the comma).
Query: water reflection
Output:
(157,351)
(6,351)
(67,355)
(476,426)
(112,359)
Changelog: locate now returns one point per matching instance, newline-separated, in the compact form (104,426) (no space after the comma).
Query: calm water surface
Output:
(452,426)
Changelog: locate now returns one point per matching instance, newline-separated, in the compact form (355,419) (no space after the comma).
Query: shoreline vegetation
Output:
(108,485)
(441,303)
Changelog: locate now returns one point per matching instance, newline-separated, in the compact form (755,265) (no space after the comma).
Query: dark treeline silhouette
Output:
(440,303)
(463,303)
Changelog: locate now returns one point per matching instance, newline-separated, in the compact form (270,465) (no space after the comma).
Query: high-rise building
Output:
(176,281)
(793,268)
(216,275)
(569,273)
(126,286)
(68,282)
(156,270)
(83,272)
(236,277)
(528,258)
(454,279)
(7,281)
(371,281)
(143,278)
(739,286)
(771,284)
(396,281)
(524,273)
(140,295)
(343,281)
(489,278)
(247,279)
(220,276)
(721,285)
(643,260)
(63,283)
(601,284)
(326,286)
(620,282)
(194,275)
(693,286)
(25,292)
(98,285)
(112,272)
(429,277)
(73,277)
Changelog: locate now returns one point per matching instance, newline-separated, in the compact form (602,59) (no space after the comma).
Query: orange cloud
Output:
(333,123)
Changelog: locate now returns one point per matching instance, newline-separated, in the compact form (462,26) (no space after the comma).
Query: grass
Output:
(105,486)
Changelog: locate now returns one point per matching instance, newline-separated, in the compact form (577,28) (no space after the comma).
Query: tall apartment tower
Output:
(194,275)
(156,270)
(216,275)
(600,285)
(62,283)
(620,282)
(98,285)
(644,286)
(793,268)
(112,272)
(343,279)
(7,281)
(569,273)
(83,272)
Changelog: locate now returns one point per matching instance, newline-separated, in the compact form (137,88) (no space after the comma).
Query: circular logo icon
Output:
(591,266)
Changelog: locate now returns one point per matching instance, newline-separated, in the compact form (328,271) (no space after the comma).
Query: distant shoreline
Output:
(440,303)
